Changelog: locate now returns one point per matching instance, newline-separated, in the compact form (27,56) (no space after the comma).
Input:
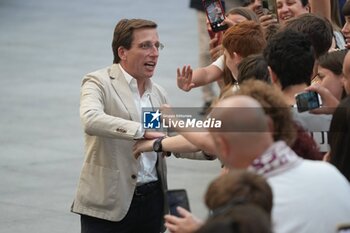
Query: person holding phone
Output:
(208,93)
(298,185)
(292,47)
(339,127)
(267,20)
(237,188)
(234,16)
(117,190)
(239,41)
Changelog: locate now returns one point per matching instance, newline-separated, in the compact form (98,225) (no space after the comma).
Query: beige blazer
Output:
(110,120)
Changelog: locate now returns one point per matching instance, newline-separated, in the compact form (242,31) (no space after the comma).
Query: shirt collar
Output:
(132,81)
(277,158)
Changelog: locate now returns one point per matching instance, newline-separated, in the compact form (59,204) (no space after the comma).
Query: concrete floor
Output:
(46,46)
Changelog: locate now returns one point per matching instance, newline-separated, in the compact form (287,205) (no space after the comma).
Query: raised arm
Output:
(185,224)
(187,79)
(200,139)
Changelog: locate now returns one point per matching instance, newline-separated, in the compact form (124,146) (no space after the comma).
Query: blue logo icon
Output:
(151,120)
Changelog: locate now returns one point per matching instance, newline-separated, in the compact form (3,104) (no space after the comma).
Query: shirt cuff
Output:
(140,132)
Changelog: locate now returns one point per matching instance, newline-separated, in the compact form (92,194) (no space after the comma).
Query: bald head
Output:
(240,114)
(244,134)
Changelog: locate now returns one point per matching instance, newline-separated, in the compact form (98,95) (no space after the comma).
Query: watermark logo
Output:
(151,119)
(156,120)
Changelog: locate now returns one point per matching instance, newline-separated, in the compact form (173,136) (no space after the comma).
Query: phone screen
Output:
(177,197)
(307,100)
(215,14)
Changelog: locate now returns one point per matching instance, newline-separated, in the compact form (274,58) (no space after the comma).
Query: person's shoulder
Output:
(321,168)
(100,74)
(312,122)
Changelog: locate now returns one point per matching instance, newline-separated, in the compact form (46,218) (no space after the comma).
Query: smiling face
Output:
(141,59)
(288,9)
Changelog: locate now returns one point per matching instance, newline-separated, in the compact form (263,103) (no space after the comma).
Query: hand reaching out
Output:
(184,78)
(185,224)
(142,146)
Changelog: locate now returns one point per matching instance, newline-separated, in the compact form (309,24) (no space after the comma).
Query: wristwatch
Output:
(157,146)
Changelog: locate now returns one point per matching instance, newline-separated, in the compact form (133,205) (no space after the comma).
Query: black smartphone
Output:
(216,14)
(177,197)
(308,100)
(270,8)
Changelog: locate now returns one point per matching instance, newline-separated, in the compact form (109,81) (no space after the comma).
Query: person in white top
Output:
(309,196)
(115,188)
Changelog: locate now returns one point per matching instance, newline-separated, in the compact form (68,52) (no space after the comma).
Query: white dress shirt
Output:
(147,161)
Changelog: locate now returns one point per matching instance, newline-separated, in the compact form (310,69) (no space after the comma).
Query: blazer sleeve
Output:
(94,95)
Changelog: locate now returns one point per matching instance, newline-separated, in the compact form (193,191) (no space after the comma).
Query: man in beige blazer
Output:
(118,192)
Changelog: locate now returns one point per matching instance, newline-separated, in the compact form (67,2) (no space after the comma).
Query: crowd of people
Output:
(283,170)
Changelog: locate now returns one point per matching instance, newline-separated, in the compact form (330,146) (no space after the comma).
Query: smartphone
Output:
(270,8)
(177,197)
(308,100)
(215,14)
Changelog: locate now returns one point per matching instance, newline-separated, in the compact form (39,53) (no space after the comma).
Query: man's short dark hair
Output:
(291,57)
(123,34)
(317,28)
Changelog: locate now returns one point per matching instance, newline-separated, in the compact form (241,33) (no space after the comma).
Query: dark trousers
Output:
(144,216)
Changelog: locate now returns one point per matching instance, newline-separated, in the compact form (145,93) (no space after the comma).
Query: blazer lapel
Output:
(155,101)
(122,89)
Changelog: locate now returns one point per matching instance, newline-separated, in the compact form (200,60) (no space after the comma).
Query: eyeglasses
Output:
(148,45)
